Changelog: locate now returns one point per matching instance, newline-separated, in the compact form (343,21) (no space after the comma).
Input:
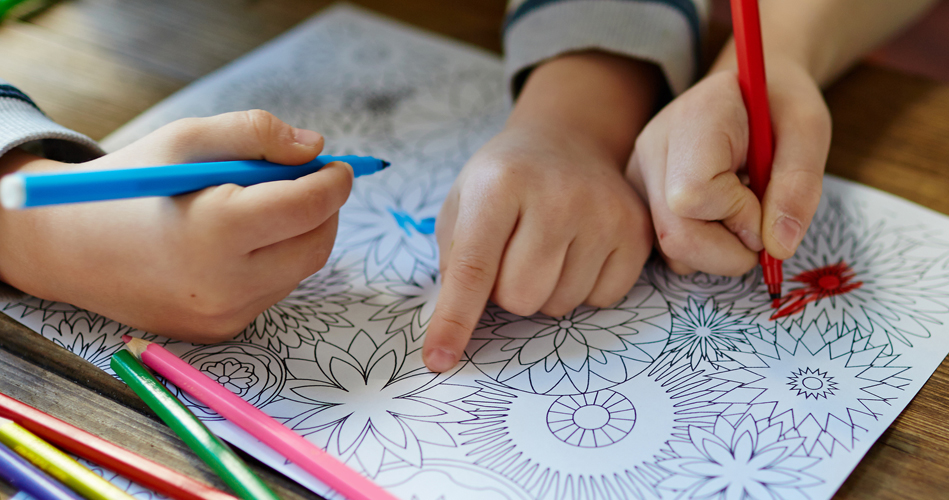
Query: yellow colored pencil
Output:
(57,464)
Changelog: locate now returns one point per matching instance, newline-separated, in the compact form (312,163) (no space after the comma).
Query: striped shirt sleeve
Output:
(23,124)
(666,32)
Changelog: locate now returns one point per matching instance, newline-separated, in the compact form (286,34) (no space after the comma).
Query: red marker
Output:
(754,91)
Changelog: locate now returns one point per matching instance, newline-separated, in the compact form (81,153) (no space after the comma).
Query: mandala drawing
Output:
(591,420)
(550,444)
(362,404)
(317,304)
(739,462)
(690,387)
(585,350)
(826,385)
(252,372)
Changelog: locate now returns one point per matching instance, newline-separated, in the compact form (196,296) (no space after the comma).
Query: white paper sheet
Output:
(684,389)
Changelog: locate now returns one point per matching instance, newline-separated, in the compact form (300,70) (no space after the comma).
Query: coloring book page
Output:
(690,387)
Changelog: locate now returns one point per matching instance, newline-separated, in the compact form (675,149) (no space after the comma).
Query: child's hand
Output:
(688,163)
(537,222)
(197,267)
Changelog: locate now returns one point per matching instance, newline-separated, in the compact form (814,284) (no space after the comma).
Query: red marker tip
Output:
(776,303)
(126,338)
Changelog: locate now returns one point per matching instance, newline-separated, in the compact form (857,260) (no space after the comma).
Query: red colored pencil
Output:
(754,91)
(95,449)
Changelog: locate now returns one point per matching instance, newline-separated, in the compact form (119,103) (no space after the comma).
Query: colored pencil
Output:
(754,92)
(21,190)
(27,478)
(57,464)
(277,436)
(143,471)
(192,431)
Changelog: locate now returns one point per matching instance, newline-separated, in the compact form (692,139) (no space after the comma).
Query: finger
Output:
(581,268)
(445,228)
(690,245)
(704,154)
(242,135)
(531,266)
(622,268)
(263,214)
(481,231)
(292,260)
(802,127)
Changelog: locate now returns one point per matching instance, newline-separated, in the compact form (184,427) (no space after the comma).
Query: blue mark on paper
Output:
(405,221)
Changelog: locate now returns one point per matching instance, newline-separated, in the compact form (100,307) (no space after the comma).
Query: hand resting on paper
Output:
(197,267)
(541,218)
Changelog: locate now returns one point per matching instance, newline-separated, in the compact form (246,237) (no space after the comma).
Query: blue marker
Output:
(41,189)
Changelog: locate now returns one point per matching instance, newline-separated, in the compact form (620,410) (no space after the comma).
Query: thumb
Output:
(241,135)
(802,130)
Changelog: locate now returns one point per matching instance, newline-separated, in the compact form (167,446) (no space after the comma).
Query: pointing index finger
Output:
(480,234)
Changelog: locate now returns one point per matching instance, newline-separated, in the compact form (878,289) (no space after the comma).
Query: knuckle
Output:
(685,200)
(260,123)
(517,303)
(469,272)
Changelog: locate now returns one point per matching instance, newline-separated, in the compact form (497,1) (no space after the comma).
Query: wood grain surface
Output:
(94,64)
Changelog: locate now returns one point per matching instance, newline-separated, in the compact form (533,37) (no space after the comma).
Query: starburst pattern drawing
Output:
(840,382)
(366,406)
(705,333)
(737,462)
(812,383)
(585,350)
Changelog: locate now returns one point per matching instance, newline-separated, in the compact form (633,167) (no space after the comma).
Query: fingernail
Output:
(787,231)
(306,137)
(751,240)
(440,360)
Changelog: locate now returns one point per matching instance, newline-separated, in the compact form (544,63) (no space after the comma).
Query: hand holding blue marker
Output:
(23,190)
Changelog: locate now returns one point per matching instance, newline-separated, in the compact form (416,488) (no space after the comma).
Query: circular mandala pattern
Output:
(591,420)
(252,372)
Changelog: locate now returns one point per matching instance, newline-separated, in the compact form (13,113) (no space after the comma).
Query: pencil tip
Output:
(126,338)
(385,164)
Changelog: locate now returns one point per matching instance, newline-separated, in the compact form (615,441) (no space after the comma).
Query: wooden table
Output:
(94,64)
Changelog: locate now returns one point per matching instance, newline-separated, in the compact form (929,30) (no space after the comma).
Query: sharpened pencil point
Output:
(385,164)
(126,338)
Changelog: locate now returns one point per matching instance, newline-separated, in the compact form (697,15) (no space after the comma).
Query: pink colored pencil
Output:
(280,438)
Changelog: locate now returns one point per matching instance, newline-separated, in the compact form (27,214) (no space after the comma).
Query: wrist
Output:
(591,97)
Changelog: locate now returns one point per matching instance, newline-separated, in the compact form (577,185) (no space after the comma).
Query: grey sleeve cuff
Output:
(665,32)
(23,124)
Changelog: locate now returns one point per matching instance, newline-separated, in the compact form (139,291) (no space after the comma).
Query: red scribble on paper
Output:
(827,281)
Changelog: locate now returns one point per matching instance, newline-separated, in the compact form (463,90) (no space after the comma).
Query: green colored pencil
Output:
(192,431)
